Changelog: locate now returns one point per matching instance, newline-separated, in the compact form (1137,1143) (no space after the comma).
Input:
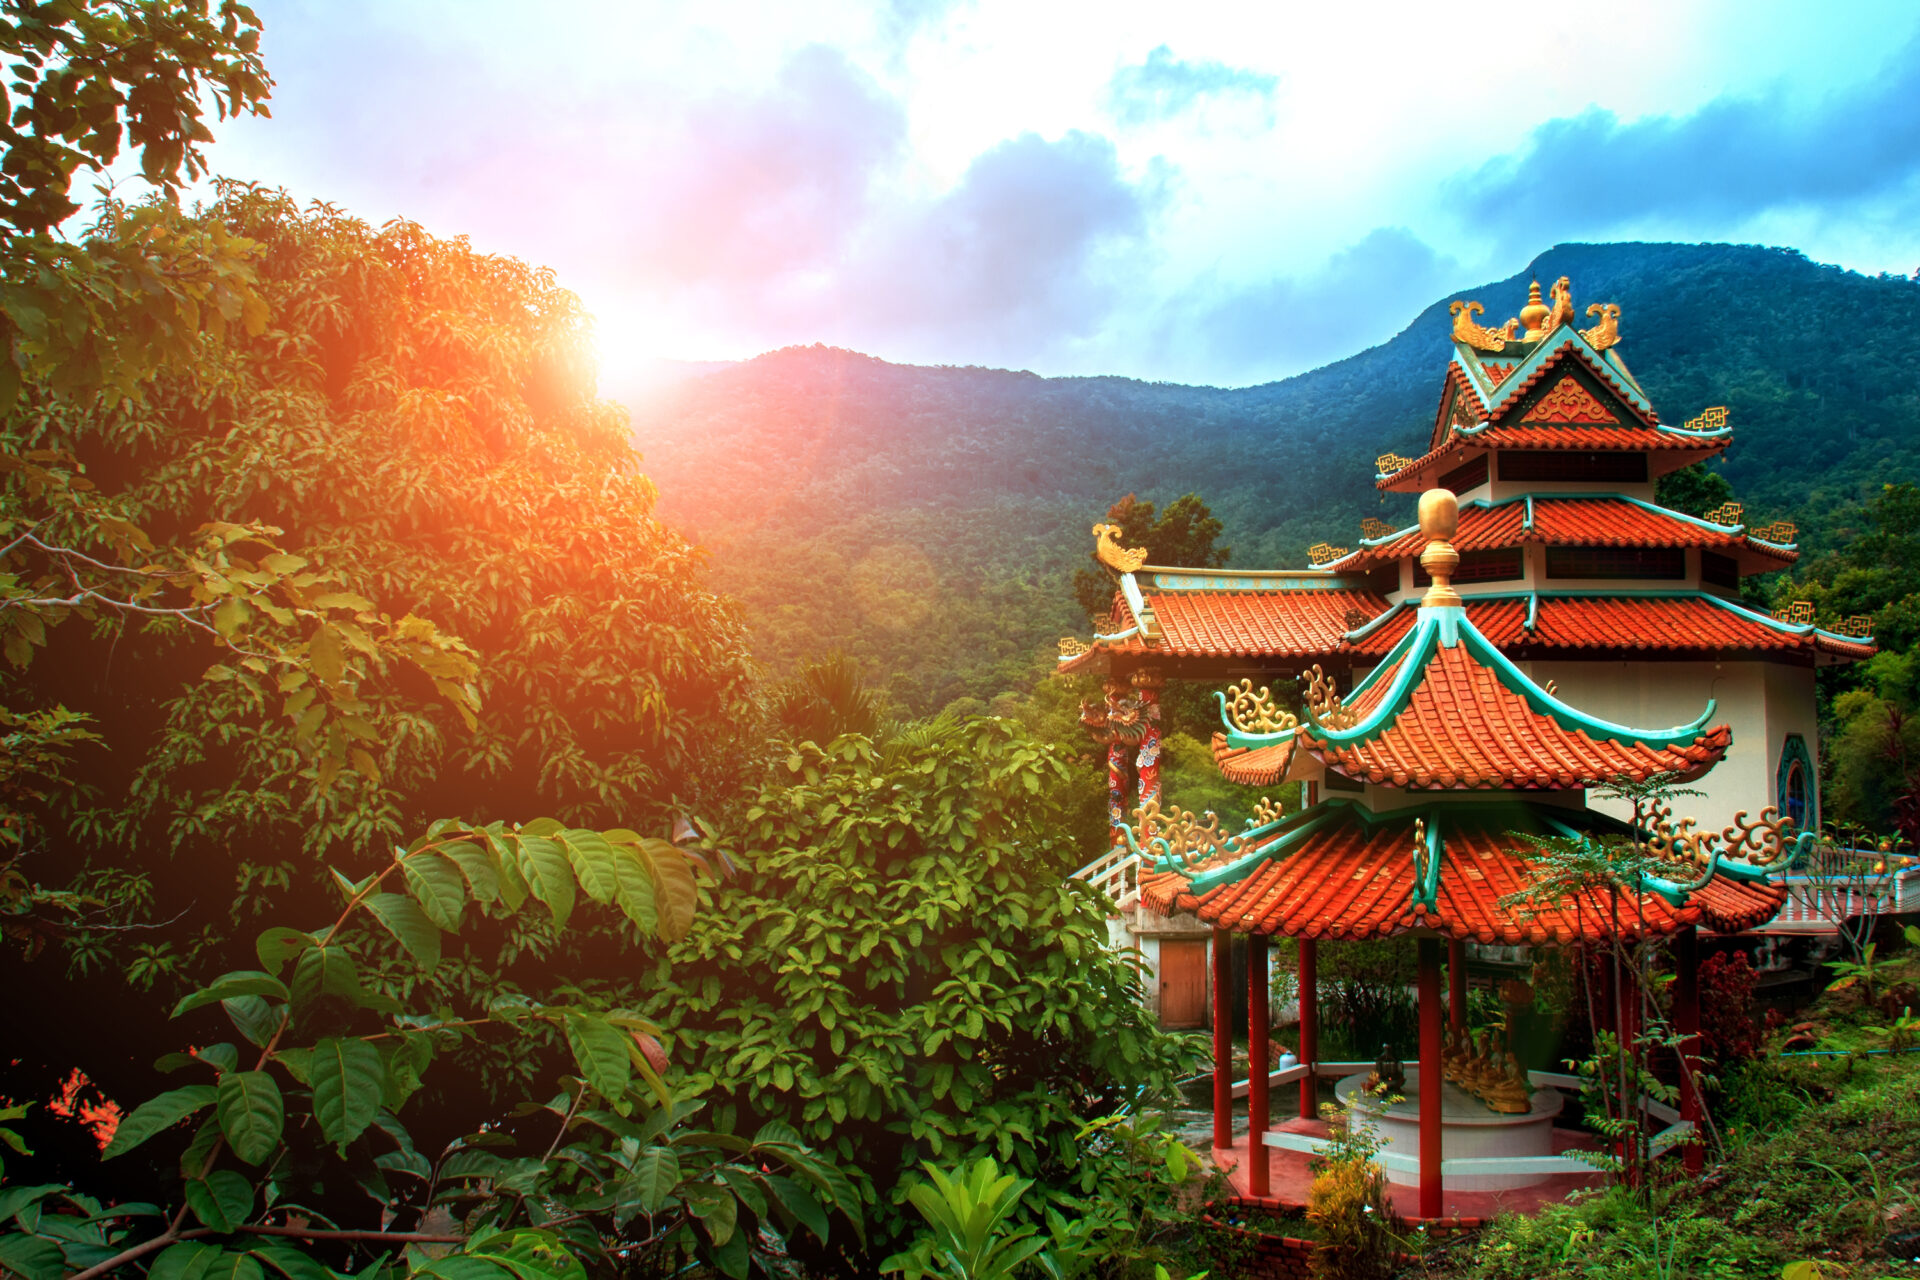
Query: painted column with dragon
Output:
(1147,762)
(1112,723)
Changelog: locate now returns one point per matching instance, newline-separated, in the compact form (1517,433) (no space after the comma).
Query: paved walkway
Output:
(1290,1178)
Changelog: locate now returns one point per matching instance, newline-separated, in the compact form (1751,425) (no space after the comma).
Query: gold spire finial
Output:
(1534,314)
(1439,521)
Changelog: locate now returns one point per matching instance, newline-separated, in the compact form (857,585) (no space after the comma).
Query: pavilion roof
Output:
(1339,871)
(1604,520)
(1446,710)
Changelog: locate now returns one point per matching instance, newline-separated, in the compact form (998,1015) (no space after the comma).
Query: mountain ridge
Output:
(926,519)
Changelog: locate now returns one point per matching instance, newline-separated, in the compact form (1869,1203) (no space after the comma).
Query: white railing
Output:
(1112,873)
(1815,904)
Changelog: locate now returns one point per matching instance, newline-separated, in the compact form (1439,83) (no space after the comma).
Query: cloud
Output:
(1736,157)
(744,191)
(1362,295)
(1163,86)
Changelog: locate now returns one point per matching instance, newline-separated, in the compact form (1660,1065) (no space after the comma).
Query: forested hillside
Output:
(928,520)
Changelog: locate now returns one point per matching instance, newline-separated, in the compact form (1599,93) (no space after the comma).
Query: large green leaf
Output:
(480,869)
(435,885)
(254,1018)
(251,1114)
(593,863)
(601,1050)
(33,1257)
(800,1203)
(290,1261)
(675,892)
(461,1266)
(241,982)
(278,945)
(155,1114)
(656,1172)
(532,1255)
(222,1200)
(548,875)
(235,1266)
(635,888)
(187,1260)
(409,925)
(716,1208)
(348,1081)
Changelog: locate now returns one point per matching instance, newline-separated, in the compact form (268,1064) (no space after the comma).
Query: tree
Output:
(902,974)
(1183,534)
(1694,490)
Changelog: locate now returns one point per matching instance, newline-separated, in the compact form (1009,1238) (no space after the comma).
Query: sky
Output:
(1203,193)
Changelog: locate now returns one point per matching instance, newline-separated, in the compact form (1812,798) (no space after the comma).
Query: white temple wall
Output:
(1761,701)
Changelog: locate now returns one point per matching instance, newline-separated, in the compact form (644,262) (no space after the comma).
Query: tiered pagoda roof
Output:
(1539,424)
(1446,711)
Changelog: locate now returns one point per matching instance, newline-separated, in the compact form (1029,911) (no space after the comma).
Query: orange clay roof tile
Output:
(1352,880)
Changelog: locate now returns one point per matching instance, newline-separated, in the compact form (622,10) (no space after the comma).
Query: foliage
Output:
(1360,1233)
(824,700)
(1729,1029)
(1695,489)
(901,973)
(1184,534)
(1862,971)
(1874,752)
(971,1233)
(275,1144)
(418,422)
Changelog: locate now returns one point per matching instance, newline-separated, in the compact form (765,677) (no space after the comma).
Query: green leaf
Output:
(325,654)
(435,885)
(601,1050)
(326,971)
(656,1172)
(241,982)
(187,1260)
(251,1114)
(635,889)
(479,869)
(409,924)
(549,878)
(155,1114)
(222,1200)
(461,1266)
(593,863)
(254,1018)
(234,1266)
(800,1203)
(716,1208)
(279,944)
(532,1255)
(14,1199)
(290,1261)
(348,1082)
(33,1257)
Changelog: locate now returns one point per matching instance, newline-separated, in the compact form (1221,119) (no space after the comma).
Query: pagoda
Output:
(1468,763)
(1567,566)
(1494,656)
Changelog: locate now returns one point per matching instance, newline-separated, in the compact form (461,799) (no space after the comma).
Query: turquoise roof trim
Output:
(1427,890)
(1240,867)
(1449,626)
(1561,339)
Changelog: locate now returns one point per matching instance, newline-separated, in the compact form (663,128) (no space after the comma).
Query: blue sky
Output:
(1198,193)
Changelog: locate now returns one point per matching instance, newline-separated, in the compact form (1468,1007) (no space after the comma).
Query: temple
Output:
(1544,631)
(1567,566)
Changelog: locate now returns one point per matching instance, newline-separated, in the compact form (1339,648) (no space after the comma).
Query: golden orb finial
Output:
(1439,521)
(1535,313)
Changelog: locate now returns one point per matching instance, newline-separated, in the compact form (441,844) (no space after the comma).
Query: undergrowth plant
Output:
(273,1134)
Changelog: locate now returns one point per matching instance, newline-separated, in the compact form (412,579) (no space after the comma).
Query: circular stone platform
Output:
(1469,1130)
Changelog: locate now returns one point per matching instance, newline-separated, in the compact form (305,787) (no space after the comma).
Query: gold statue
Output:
(1607,332)
(1562,309)
(1476,335)
(1509,1093)
(1112,554)
(1534,314)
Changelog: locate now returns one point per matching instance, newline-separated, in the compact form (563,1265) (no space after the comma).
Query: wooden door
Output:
(1183,982)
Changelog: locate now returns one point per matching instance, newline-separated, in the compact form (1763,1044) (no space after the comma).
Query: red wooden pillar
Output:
(1309,1030)
(1259,1063)
(1457,986)
(1222,1040)
(1431,1082)
(1686,1020)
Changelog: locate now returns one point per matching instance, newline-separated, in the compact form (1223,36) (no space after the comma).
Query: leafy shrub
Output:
(1728,1027)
